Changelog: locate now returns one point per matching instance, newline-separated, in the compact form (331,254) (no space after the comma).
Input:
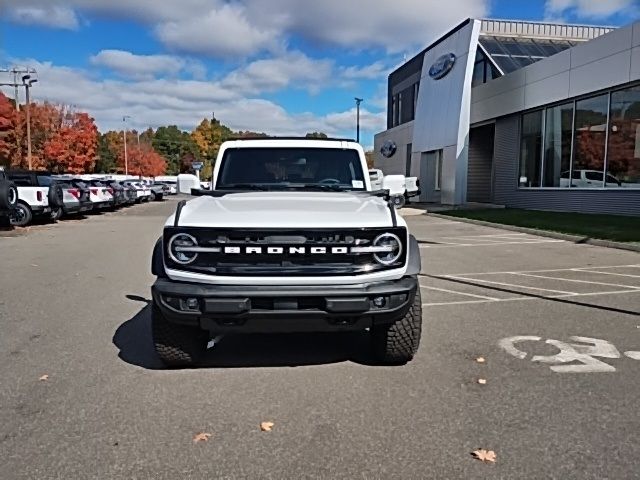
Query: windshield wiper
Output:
(317,186)
(242,186)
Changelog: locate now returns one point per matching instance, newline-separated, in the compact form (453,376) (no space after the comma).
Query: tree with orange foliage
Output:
(8,120)
(143,160)
(72,148)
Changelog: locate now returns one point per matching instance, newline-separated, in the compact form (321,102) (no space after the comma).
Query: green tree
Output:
(316,135)
(106,161)
(209,135)
(176,146)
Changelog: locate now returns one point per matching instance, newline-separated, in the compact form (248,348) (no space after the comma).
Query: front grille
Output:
(283,251)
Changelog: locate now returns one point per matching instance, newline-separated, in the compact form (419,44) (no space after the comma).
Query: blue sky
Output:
(279,66)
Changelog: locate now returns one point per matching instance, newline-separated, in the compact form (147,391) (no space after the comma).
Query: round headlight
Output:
(179,248)
(392,246)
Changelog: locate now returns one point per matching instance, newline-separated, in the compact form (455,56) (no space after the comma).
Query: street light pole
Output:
(124,137)
(358,102)
(27,82)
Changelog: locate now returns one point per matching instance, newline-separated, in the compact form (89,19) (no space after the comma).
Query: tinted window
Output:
(531,149)
(291,167)
(557,150)
(623,160)
(593,176)
(44,181)
(590,131)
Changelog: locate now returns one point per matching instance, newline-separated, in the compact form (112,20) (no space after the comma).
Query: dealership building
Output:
(521,114)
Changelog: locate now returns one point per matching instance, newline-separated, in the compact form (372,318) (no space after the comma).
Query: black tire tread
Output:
(398,343)
(177,345)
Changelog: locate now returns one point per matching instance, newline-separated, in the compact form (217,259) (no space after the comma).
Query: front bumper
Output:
(264,309)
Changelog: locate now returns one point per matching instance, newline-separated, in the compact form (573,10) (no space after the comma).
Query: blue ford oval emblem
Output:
(388,148)
(442,66)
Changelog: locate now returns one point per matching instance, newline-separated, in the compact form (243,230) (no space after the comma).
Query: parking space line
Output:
(576,269)
(491,244)
(519,299)
(564,292)
(484,297)
(578,281)
(608,273)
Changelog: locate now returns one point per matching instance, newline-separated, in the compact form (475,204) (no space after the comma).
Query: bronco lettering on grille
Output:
(282,250)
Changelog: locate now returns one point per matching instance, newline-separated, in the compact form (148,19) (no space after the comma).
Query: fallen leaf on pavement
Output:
(480,360)
(482,381)
(201,437)
(266,426)
(44,378)
(485,455)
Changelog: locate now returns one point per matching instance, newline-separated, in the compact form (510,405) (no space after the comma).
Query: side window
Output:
(613,180)
(565,174)
(576,174)
(21,180)
(596,176)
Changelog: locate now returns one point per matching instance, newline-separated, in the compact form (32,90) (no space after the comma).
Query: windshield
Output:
(285,168)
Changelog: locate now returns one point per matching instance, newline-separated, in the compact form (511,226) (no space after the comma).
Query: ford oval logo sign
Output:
(442,66)
(388,148)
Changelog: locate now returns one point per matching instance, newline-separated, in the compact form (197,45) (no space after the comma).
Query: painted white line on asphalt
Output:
(577,269)
(634,355)
(608,273)
(460,293)
(564,292)
(578,281)
(491,244)
(520,299)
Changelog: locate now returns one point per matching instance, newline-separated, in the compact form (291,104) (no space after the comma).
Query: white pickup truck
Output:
(402,188)
(291,238)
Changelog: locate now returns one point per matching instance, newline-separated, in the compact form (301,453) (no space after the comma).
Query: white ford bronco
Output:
(290,238)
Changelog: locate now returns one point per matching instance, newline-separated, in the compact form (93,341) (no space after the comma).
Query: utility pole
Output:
(17,72)
(28,82)
(358,102)
(124,137)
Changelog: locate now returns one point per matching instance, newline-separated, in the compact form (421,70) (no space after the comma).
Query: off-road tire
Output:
(56,196)
(398,342)
(8,195)
(153,196)
(177,345)
(56,214)
(22,215)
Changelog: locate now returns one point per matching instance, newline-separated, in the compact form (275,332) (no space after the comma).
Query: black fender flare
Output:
(157,260)
(414,262)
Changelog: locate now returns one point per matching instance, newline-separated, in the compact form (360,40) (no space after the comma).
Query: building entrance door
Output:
(431,176)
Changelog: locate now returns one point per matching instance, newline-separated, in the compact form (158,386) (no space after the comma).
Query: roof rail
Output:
(329,139)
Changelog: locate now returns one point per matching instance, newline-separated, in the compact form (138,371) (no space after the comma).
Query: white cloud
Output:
(589,9)
(272,74)
(375,71)
(222,32)
(247,27)
(160,102)
(49,16)
(144,66)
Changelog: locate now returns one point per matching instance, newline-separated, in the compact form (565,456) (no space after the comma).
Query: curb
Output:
(543,233)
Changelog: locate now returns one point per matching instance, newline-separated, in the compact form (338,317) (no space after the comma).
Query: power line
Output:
(17,72)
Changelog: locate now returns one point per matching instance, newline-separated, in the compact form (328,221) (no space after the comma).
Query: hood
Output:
(287,210)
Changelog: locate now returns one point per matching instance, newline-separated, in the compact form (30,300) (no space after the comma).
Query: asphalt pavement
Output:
(557,324)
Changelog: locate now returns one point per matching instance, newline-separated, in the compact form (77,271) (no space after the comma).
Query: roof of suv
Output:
(292,142)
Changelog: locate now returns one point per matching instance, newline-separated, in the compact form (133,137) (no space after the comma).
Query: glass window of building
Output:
(531,149)
(557,145)
(590,134)
(623,154)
